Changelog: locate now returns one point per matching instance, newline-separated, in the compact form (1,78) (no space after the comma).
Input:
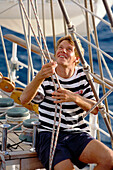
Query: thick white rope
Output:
(107,55)
(52,149)
(105,64)
(5,53)
(92,13)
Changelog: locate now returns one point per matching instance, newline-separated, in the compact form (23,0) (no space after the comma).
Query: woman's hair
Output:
(69,39)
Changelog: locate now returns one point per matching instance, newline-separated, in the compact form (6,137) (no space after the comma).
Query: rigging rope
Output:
(109,73)
(97,48)
(52,149)
(85,9)
(6,58)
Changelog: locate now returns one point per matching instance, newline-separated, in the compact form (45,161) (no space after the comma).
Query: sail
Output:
(10,16)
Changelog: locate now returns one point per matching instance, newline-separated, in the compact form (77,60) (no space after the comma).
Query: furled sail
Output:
(10,15)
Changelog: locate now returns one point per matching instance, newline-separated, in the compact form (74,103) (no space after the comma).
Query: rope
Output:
(93,14)
(27,42)
(52,150)
(99,101)
(5,54)
(9,146)
(54,139)
(100,53)
(107,55)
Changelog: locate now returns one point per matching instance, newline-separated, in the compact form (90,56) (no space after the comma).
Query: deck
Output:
(17,154)
(20,156)
(20,153)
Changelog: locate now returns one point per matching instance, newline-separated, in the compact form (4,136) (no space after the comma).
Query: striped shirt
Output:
(71,117)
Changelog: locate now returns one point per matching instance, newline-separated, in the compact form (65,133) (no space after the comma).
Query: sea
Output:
(105,37)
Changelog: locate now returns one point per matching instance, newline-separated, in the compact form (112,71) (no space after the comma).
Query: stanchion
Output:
(4,137)
(35,131)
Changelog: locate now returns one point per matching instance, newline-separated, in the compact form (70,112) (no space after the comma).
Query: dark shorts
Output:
(69,146)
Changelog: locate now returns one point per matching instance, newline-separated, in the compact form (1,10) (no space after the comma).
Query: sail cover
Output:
(10,15)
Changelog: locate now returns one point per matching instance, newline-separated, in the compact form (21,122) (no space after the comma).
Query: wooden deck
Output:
(20,157)
(25,159)
(19,152)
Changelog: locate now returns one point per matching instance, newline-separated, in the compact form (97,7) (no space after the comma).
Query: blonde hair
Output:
(69,39)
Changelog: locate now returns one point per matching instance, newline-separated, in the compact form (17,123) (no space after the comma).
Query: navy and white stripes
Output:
(71,119)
